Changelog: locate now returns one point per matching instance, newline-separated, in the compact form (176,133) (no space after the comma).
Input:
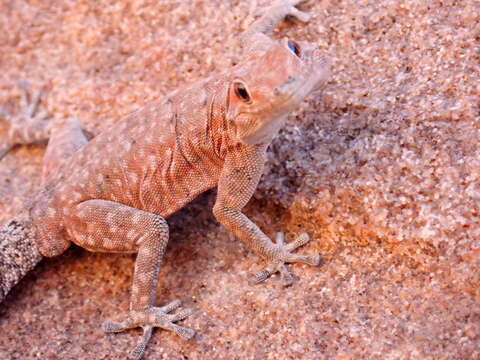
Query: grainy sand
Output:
(383,170)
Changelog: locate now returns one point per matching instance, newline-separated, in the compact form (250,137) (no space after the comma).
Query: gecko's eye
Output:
(292,45)
(241,91)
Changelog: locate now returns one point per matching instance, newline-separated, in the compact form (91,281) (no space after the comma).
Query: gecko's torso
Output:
(156,159)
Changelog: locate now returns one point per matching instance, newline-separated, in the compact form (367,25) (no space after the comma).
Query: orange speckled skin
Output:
(112,194)
(159,158)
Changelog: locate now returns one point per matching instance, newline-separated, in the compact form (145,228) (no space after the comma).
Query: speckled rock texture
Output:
(383,170)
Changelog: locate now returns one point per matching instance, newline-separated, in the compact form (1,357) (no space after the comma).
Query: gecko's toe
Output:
(139,350)
(288,8)
(298,14)
(112,327)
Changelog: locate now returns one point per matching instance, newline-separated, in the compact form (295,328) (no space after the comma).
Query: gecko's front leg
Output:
(239,178)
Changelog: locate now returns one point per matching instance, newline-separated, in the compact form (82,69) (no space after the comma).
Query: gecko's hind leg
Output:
(66,138)
(29,125)
(108,226)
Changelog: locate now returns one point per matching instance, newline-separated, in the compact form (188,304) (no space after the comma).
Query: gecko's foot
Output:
(286,256)
(148,319)
(28,126)
(287,7)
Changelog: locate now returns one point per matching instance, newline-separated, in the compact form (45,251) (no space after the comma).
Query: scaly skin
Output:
(112,194)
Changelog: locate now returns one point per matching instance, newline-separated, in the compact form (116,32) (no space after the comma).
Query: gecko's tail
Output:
(18,252)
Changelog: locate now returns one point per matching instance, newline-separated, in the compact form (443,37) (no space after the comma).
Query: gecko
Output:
(114,192)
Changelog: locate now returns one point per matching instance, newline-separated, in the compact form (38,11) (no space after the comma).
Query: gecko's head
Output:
(267,87)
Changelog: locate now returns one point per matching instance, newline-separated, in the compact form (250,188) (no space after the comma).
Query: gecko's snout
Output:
(315,72)
(286,87)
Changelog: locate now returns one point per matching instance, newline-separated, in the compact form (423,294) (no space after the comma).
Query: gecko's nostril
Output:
(286,87)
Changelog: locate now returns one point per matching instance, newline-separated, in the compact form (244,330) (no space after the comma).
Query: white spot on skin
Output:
(81,238)
(143,277)
(150,252)
(134,290)
(91,240)
(152,159)
(110,218)
(137,218)
(131,234)
(133,177)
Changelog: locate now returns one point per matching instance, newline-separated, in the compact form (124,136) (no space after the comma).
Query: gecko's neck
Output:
(215,124)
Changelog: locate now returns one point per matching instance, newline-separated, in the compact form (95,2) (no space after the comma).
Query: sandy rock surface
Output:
(383,169)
